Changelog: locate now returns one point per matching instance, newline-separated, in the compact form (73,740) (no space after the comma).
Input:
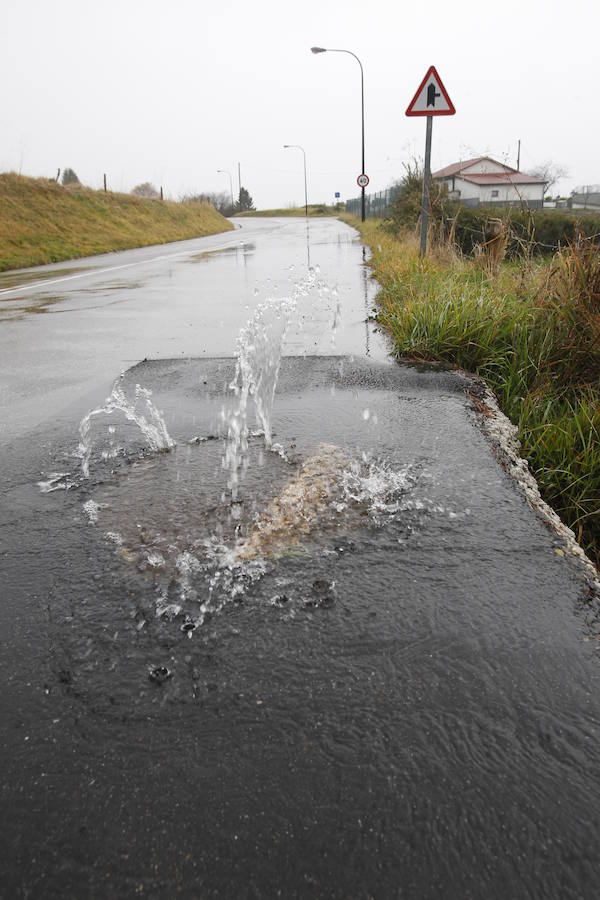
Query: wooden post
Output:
(57,175)
(161,192)
(105,181)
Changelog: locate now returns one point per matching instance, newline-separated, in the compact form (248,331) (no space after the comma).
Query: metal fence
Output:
(586,196)
(377,206)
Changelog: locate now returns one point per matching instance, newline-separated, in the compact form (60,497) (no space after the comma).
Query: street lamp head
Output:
(318,49)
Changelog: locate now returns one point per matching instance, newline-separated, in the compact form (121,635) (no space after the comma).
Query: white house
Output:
(485,181)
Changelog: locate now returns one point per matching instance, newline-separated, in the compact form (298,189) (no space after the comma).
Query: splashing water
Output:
(219,557)
(57,481)
(258,351)
(141,411)
(379,487)
(337,316)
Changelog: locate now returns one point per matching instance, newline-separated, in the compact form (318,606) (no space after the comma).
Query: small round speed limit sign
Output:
(362,180)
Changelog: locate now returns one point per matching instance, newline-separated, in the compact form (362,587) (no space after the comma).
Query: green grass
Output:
(532,331)
(43,222)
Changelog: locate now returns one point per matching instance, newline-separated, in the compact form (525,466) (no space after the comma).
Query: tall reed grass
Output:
(531,329)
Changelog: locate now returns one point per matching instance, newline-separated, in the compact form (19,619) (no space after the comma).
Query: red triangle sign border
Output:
(431,112)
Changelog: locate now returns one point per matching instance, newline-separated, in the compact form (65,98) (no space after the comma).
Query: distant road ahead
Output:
(69,329)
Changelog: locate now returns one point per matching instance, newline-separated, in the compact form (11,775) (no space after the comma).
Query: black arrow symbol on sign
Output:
(431,95)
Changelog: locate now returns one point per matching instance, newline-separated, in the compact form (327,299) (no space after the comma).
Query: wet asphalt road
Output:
(86,321)
(431,731)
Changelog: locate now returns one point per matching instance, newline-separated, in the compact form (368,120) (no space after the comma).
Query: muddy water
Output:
(400,700)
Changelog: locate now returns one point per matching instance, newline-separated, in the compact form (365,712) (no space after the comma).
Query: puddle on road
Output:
(109,287)
(16,279)
(241,249)
(19,305)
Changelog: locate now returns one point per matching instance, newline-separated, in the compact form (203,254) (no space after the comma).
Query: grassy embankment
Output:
(43,222)
(531,329)
(316,209)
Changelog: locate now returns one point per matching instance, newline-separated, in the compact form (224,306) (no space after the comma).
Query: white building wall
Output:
(484,167)
(507,193)
(467,190)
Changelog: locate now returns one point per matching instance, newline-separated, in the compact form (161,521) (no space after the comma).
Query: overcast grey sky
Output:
(169,91)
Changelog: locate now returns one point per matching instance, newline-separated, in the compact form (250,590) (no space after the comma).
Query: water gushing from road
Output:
(258,351)
(140,410)
(200,544)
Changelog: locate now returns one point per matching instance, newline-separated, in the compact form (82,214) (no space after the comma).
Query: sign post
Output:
(426,177)
(431,99)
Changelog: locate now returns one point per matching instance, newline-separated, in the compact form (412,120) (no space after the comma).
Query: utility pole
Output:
(298,147)
(239,180)
(519,155)
(363,176)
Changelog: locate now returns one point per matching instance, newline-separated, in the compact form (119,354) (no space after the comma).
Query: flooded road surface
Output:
(350,663)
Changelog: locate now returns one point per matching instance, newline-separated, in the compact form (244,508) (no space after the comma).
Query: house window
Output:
(494,193)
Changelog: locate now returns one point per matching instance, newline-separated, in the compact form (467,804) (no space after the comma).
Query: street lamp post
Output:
(298,147)
(225,172)
(362,107)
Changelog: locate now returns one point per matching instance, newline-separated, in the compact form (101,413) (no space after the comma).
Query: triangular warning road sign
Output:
(431,98)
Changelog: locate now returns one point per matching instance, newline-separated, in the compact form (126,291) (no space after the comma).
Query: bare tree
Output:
(147,190)
(220,201)
(551,172)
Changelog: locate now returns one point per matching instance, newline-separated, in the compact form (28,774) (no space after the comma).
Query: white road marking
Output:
(141,262)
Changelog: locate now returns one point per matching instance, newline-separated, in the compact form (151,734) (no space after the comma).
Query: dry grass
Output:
(44,222)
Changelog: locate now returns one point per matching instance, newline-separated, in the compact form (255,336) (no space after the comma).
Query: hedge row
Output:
(543,231)
(539,231)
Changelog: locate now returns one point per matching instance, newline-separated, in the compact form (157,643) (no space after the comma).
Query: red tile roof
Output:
(508,176)
(456,167)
